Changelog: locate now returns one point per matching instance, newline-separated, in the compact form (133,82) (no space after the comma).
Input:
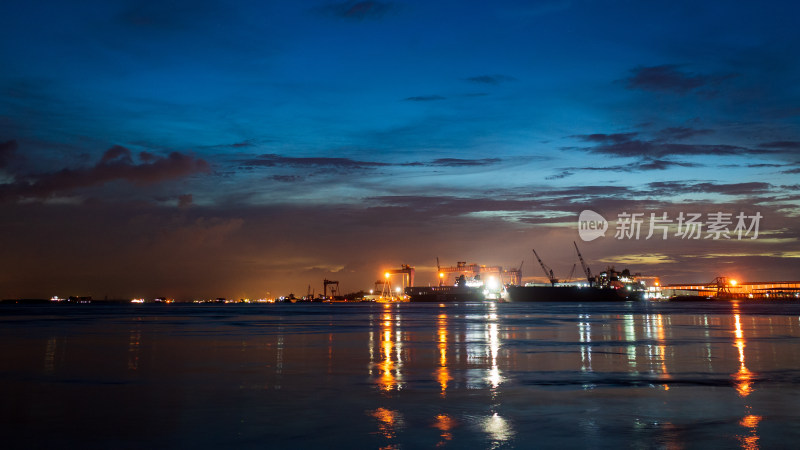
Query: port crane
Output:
(325,283)
(548,272)
(586,269)
(407,273)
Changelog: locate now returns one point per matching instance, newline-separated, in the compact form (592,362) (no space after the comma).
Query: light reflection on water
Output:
(404,375)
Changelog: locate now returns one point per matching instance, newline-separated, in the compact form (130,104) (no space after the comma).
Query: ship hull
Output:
(566,294)
(444,294)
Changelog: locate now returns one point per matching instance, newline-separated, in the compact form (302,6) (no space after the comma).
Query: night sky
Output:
(197,149)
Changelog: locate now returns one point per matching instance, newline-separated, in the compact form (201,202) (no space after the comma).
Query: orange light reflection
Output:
(389,354)
(442,373)
(445,424)
(750,442)
(743,377)
(744,387)
(662,348)
(388,421)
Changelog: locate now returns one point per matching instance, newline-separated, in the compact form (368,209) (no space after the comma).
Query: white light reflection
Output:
(279,359)
(630,336)
(134,342)
(494,347)
(50,356)
(498,429)
(585,336)
(493,337)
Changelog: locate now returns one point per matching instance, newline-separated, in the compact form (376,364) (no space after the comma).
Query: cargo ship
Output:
(471,283)
(445,294)
(569,294)
(608,286)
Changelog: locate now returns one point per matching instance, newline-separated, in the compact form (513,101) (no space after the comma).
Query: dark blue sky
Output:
(207,148)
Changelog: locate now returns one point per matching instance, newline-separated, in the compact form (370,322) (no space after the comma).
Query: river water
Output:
(536,375)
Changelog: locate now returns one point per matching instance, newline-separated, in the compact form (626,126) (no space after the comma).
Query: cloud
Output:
(680,187)
(273,160)
(458,162)
(368,9)
(115,164)
(120,154)
(644,164)
(661,164)
(625,145)
(8,151)
(759,165)
(668,78)
(491,79)
(614,138)
(673,133)
(782,145)
(185,200)
(425,98)
(287,178)
(558,176)
(792,171)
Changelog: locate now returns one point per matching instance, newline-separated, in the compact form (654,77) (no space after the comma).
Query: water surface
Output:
(632,375)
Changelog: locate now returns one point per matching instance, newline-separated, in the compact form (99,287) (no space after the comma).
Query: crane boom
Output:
(571,272)
(548,272)
(586,270)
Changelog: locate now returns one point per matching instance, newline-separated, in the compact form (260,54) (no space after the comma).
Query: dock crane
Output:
(548,272)
(325,283)
(586,270)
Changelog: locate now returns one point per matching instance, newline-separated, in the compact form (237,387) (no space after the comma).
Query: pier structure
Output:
(724,287)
